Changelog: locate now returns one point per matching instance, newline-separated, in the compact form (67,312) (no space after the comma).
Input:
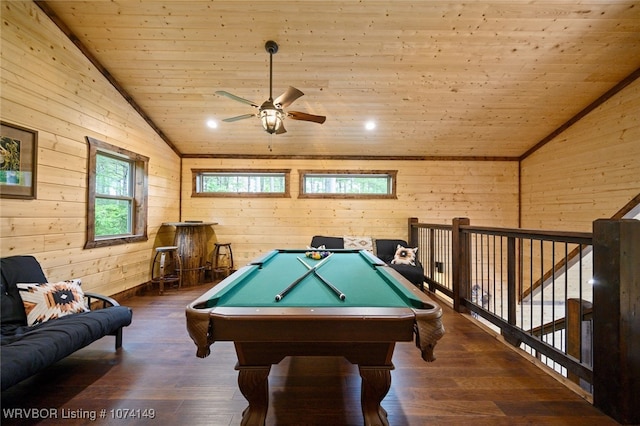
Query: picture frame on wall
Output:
(18,161)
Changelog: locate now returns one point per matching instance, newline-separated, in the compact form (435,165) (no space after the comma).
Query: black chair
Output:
(386,249)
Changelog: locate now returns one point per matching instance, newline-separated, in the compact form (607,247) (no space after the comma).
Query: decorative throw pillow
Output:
(405,256)
(358,243)
(43,302)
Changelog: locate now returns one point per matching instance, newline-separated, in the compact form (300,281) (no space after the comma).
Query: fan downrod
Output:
(271,47)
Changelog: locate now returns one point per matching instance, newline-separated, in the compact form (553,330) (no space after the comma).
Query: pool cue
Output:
(284,292)
(338,293)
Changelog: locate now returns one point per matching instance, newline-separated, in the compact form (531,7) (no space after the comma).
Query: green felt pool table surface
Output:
(360,276)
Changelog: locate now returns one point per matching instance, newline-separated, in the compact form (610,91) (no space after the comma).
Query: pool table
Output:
(348,303)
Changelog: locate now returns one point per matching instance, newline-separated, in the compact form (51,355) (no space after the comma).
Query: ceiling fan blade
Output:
(239,117)
(306,117)
(288,97)
(236,98)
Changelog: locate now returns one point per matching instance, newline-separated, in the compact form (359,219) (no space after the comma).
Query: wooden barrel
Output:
(192,247)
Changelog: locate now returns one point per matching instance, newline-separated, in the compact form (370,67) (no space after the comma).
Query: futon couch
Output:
(384,249)
(27,349)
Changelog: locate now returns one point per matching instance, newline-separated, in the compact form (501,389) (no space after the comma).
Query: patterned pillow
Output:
(43,302)
(358,243)
(405,256)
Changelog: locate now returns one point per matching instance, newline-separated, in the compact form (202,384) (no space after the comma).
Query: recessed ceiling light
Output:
(212,124)
(370,125)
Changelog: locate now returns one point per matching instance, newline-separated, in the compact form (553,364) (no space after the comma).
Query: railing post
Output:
(616,318)
(576,342)
(460,258)
(413,232)
(431,243)
(511,280)
(510,337)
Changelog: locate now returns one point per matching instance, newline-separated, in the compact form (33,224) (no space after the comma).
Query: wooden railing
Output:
(537,289)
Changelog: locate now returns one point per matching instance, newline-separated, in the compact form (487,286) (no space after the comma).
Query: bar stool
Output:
(169,270)
(222,260)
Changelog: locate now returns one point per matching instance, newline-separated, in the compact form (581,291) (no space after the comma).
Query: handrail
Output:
(568,310)
(488,277)
(561,236)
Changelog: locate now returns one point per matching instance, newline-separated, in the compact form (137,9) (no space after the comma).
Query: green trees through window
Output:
(240,183)
(114,198)
(347,184)
(363,184)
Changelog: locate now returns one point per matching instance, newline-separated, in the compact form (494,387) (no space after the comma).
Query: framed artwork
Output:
(18,161)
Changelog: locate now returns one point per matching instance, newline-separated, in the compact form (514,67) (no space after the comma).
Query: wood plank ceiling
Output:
(439,78)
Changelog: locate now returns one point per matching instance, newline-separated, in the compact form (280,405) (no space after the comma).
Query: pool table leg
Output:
(254,385)
(376,382)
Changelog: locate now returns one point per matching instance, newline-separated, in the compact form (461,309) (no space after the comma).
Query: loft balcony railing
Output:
(567,298)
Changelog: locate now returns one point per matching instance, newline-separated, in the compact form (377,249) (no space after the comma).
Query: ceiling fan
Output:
(270,112)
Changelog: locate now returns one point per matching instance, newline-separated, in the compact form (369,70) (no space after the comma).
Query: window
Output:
(117,200)
(348,184)
(240,183)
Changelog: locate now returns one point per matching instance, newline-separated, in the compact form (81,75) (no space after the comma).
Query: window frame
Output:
(139,184)
(196,173)
(392,174)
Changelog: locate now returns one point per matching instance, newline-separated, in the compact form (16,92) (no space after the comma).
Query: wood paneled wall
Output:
(50,87)
(588,172)
(433,191)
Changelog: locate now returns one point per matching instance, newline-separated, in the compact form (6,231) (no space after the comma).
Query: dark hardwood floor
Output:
(475,380)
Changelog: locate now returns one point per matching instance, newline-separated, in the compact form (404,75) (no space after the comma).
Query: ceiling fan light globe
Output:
(271,120)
